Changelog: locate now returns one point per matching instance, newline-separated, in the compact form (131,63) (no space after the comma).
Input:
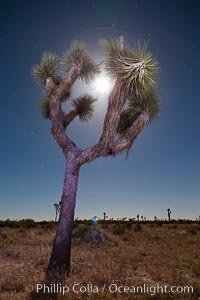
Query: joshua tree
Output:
(104,216)
(57,208)
(142,218)
(138,218)
(169,214)
(132,104)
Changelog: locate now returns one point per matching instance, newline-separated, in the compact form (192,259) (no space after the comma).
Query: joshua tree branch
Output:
(126,141)
(89,154)
(66,84)
(116,103)
(68,118)
(57,117)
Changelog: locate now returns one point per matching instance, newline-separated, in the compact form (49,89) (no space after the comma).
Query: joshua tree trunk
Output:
(60,257)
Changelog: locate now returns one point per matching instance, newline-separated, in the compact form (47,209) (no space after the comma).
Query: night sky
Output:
(163,168)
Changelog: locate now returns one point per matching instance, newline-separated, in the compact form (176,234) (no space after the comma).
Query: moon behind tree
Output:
(102,84)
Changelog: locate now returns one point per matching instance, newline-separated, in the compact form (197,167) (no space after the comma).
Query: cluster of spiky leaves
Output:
(137,104)
(135,66)
(84,106)
(45,107)
(47,68)
(65,96)
(77,56)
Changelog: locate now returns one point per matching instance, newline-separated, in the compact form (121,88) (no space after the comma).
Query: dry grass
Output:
(165,255)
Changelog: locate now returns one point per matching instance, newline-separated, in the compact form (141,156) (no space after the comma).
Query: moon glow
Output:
(102,84)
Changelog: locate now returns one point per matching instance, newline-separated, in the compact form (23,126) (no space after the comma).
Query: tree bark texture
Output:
(59,263)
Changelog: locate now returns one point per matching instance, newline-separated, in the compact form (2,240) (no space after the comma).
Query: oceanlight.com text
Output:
(112,288)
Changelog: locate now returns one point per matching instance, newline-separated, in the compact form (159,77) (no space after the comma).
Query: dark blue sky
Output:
(163,169)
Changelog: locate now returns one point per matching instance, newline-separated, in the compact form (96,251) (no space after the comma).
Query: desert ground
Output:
(120,254)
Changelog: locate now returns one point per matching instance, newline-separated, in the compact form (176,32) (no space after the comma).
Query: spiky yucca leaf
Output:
(127,117)
(146,103)
(47,68)
(84,106)
(135,66)
(77,56)
(45,107)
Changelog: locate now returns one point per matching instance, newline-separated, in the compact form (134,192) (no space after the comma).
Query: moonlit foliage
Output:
(136,69)
(45,107)
(136,105)
(135,66)
(77,56)
(84,106)
(47,68)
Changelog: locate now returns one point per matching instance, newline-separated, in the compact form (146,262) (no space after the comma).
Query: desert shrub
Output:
(78,231)
(2,224)
(118,229)
(10,224)
(50,225)
(129,224)
(88,234)
(159,223)
(193,231)
(87,222)
(27,223)
(138,227)
(42,223)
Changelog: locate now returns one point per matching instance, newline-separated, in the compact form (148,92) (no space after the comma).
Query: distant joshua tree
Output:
(138,217)
(169,214)
(155,218)
(142,218)
(132,104)
(104,216)
(57,208)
